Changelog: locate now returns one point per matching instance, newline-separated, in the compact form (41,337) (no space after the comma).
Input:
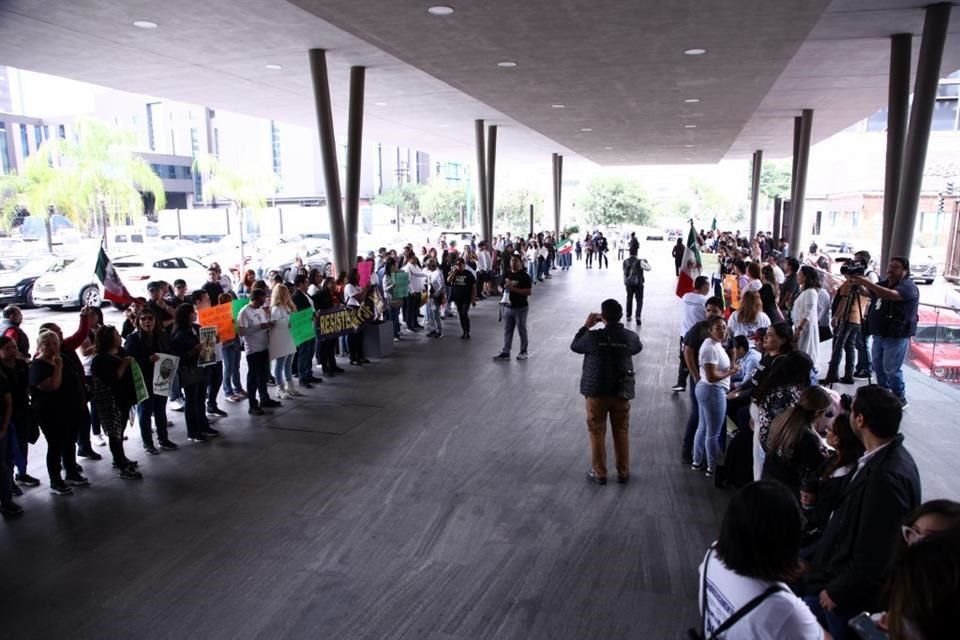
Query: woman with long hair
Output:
(8,439)
(806,313)
(114,395)
(754,276)
(749,320)
(246,284)
(389,269)
(354,295)
(847,447)
(780,389)
(281,309)
(794,450)
(143,345)
(711,391)
(769,294)
(185,344)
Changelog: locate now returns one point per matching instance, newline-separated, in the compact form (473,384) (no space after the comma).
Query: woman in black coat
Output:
(143,345)
(185,344)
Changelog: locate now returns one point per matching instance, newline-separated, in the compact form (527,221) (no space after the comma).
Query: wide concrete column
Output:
(777,219)
(755,191)
(802,159)
(491,173)
(898,106)
(328,155)
(918,134)
(486,226)
(559,192)
(354,146)
(556,192)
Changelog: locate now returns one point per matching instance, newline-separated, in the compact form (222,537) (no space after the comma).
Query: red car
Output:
(935,349)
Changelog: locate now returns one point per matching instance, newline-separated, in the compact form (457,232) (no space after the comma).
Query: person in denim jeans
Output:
(715,372)
(232,350)
(692,341)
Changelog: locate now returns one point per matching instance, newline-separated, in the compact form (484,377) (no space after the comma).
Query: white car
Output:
(76,285)
(137,270)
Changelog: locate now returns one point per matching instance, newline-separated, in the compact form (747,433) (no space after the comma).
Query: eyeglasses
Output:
(911,535)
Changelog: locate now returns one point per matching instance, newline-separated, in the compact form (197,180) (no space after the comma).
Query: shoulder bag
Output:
(701,632)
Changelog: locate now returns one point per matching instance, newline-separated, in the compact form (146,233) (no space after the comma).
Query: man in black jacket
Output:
(306,350)
(607,381)
(853,556)
(633,280)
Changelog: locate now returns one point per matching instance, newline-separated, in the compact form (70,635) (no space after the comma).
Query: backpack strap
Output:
(742,611)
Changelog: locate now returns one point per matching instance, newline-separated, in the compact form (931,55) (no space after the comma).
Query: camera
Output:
(853,268)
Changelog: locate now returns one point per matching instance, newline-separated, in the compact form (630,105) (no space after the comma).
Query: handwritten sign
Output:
(401,285)
(221,317)
(163,370)
(365,268)
(208,347)
(301,326)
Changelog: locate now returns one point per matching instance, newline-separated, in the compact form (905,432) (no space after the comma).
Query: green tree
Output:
(512,209)
(614,201)
(440,203)
(405,198)
(775,180)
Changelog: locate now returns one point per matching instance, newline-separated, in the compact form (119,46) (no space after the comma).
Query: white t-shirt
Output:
(778,274)
(748,329)
(348,292)
(255,339)
(782,616)
(693,310)
(712,352)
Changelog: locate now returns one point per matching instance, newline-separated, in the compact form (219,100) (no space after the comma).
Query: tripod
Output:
(842,325)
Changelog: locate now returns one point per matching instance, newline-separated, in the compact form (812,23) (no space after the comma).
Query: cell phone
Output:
(866,628)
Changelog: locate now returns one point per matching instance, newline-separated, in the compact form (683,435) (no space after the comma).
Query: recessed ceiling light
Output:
(381,104)
(145,24)
(692,100)
(608,148)
(440,10)
(558,106)
(689,126)
(507,64)
(586,129)
(689,146)
(273,67)
(695,52)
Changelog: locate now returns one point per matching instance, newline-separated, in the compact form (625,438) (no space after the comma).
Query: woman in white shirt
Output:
(281,340)
(756,555)
(806,314)
(352,296)
(711,390)
(749,320)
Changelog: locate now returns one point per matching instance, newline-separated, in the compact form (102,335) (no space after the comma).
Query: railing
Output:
(935,349)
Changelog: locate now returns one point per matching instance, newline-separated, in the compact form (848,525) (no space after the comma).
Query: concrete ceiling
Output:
(618,67)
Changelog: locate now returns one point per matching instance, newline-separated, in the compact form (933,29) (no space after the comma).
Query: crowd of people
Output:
(828,521)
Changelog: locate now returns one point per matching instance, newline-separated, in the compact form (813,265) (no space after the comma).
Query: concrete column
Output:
(354,147)
(491,173)
(800,182)
(755,191)
(777,219)
(559,192)
(918,135)
(485,231)
(898,106)
(328,155)
(556,192)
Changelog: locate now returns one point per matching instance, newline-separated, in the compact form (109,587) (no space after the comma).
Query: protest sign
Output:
(336,322)
(221,317)
(139,384)
(208,346)
(237,305)
(301,326)
(163,370)
(401,285)
(365,268)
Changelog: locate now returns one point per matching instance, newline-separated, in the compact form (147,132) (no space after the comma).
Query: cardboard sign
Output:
(221,317)
(365,268)
(139,384)
(163,370)
(301,326)
(208,346)
(401,285)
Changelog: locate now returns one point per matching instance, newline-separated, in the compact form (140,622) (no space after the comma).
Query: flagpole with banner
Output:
(113,289)
(692,266)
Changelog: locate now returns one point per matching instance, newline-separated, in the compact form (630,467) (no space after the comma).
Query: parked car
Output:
(137,270)
(923,270)
(935,349)
(16,287)
(75,285)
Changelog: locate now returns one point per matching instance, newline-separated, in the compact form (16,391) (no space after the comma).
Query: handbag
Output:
(825,333)
(701,632)
(191,374)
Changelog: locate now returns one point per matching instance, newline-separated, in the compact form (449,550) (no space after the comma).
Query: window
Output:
(151,141)
(38,135)
(24,140)
(171,172)
(945,114)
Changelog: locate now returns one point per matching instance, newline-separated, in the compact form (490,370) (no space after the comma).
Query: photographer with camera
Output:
(607,382)
(850,307)
(892,321)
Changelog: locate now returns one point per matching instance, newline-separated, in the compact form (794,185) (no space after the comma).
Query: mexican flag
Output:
(691,266)
(566,247)
(113,289)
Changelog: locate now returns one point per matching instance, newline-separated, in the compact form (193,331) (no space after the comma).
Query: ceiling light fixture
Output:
(692,100)
(608,148)
(440,10)
(145,24)
(507,64)
(558,106)
(689,146)
(689,126)
(695,52)
(381,104)
(586,129)
(273,67)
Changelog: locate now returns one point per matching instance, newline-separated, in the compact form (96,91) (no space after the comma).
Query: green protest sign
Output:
(237,305)
(401,285)
(139,384)
(301,326)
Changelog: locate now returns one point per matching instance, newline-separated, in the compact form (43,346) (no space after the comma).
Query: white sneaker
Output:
(282,392)
(292,391)
(100,441)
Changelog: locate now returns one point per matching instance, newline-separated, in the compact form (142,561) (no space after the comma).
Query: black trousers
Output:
(61,435)
(411,310)
(258,369)
(355,345)
(683,372)
(634,292)
(602,261)
(214,382)
(327,354)
(463,312)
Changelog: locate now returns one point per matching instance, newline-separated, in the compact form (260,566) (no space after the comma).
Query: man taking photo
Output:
(607,382)
(892,321)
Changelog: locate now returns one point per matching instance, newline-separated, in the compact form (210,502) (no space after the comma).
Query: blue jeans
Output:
(532,270)
(888,355)
(834,622)
(153,407)
(231,368)
(514,318)
(713,414)
(283,367)
(304,358)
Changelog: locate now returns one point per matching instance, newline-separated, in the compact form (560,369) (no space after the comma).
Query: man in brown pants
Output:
(607,381)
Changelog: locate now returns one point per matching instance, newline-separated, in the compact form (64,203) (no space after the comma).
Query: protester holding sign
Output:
(354,295)
(306,343)
(113,393)
(185,344)
(254,325)
(143,345)
(325,300)
(281,347)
